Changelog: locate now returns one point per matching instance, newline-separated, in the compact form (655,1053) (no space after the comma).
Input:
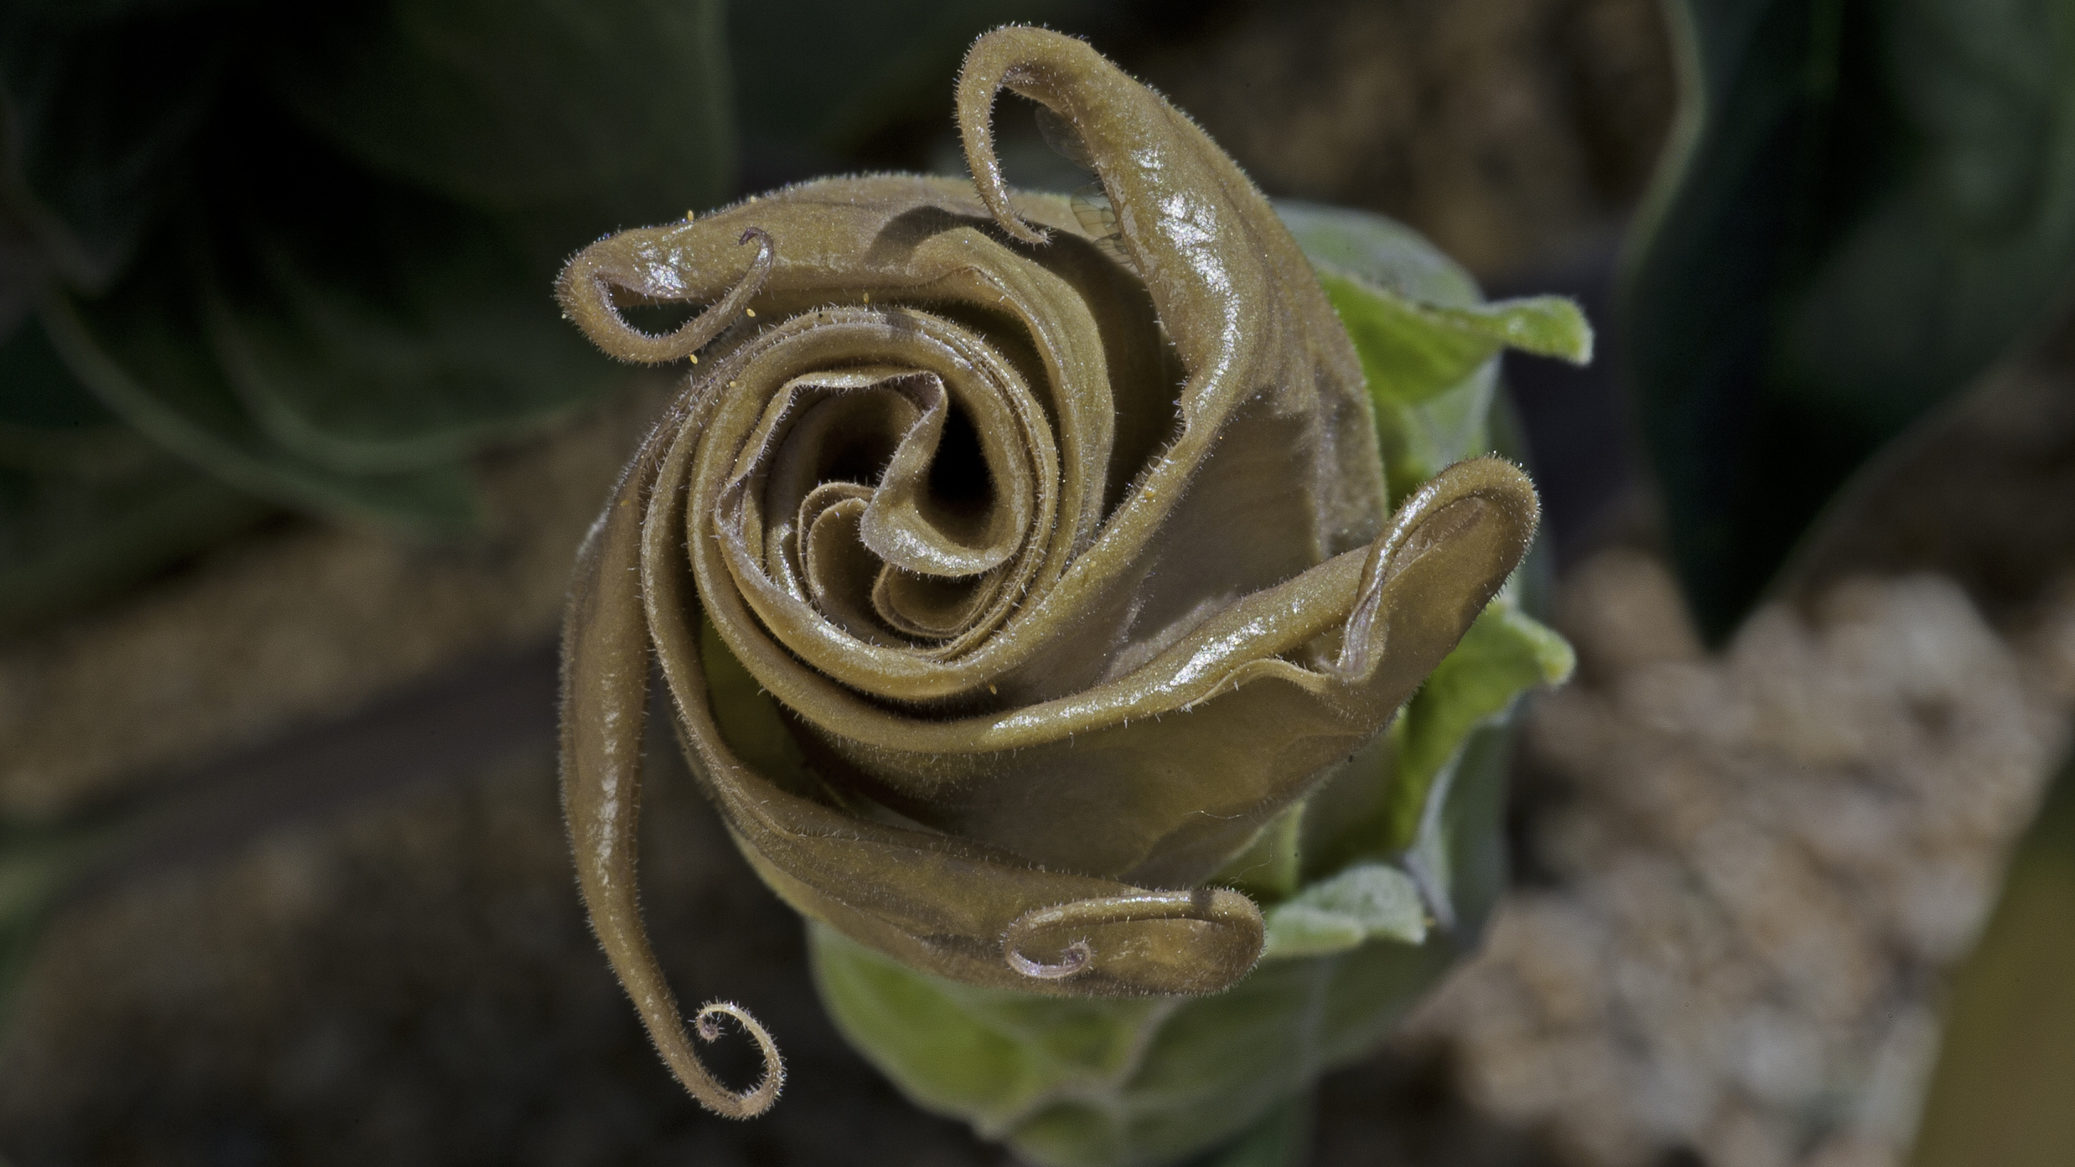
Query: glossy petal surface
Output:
(1008,576)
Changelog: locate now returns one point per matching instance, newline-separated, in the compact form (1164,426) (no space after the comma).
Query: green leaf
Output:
(1431,371)
(1428,342)
(1875,201)
(601,115)
(1545,326)
(1365,902)
(289,321)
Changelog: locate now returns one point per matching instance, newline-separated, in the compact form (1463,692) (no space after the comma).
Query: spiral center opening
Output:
(961,491)
(883,498)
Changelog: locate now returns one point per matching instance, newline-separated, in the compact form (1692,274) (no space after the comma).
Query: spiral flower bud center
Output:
(899,494)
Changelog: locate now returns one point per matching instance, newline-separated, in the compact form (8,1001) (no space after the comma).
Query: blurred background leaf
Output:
(1874,200)
(1282,1139)
(603,116)
(809,102)
(86,502)
(141,352)
(302,257)
(99,104)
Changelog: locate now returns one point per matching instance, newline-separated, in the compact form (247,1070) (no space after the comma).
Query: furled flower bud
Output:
(1013,563)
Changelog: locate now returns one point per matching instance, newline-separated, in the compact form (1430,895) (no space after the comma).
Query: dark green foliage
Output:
(85,502)
(865,64)
(303,254)
(1877,199)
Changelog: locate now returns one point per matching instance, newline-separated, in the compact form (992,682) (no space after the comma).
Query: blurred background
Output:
(295,452)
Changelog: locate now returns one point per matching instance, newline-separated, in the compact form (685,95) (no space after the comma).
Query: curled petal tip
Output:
(989,65)
(631,263)
(1208,938)
(748,1103)
(1076,959)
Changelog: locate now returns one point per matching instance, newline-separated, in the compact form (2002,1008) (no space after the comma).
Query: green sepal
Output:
(1118,1083)
(1428,342)
(1413,352)
(1505,653)
(1369,901)
(1271,868)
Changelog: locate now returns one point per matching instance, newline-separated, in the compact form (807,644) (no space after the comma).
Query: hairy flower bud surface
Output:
(1014,563)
